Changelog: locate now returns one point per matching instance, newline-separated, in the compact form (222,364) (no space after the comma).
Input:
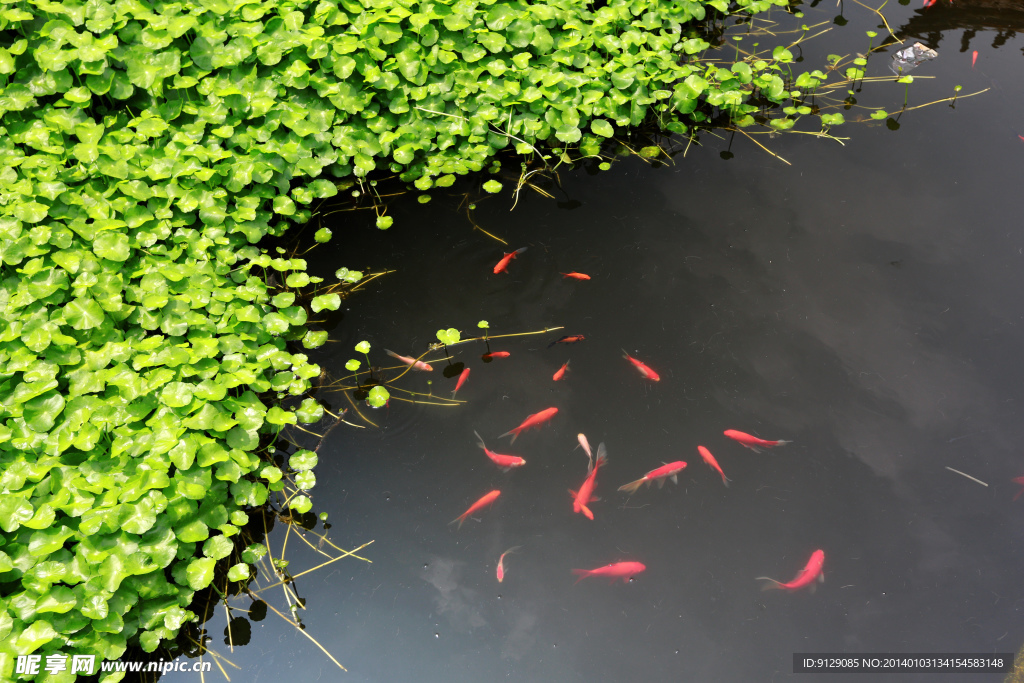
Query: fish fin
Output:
(513,432)
(602,454)
(726,480)
(596,499)
(519,251)
(661,482)
(754,448)
(821,577)
(632,486)
(674,478)
(586,511)
(480,439)
(392,353)
(460,519)
(814,587)
(781,443)
(506,470)
(772,585)
(1019,494)
(453,394)
(582,573)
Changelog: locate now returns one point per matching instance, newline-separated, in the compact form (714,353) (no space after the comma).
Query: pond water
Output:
(864,302)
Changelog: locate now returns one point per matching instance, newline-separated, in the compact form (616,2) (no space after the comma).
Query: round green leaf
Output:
(200,573)
(492,186)
(378,396)
(602,128)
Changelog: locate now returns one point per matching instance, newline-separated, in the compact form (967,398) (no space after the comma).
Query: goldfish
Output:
(561,372)
(586,493)
(974,58)
(416,364)
(1018,480)
(567,340)
(495,354)
(805,577)
(483,502)
(752,442)
(503,263)
(645,371)
(535,420)
(505,462)
(929,3)
(619,570)
(462,380)
(577,276)
(668,471)
(710,460)
(586,449)
(501,562)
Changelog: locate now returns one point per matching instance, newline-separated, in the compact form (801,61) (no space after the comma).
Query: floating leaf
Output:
(378,396)
(492,186)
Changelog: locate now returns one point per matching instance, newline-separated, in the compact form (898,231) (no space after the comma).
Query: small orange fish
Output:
(503,263)
(929,3)
(535,420)
(752,442)
(416,364)
(505,462)
(495,354)
(805,577)
(568,340)
(667,471)
(645,371)
(1018,480)
(710,460)
(576,276)
(619,570)
(561,372)
(483,502)
(462,380)
(501,562)
(974,58)
(586,493)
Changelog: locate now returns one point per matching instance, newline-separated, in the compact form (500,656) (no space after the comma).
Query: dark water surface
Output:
(866,303)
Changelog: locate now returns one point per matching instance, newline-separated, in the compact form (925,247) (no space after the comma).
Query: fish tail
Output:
(519,251)
(513,432)
(479,439)
(626,355)
(726,480)
(586,511)
(392,354)
(771,585)
(582,573)
(781,443)
(460,519)
(632,486)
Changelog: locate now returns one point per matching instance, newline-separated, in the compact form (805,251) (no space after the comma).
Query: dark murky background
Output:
(865,302)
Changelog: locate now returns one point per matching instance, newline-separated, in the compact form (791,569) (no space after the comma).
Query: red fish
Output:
(501,563)
(416,364)
(1018,480)
(577,276)
(567,340)
(503,263)
(710,460)
(752,442)
(586,493)
(645,371)
(619,570)
(462,380)
(929,3)
(561,372)
(974,58)
(806,576)
(505,462)
(496,354)
(483,502)
(659,475)
(535,420)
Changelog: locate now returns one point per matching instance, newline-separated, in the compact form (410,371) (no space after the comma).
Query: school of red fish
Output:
(584,496)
